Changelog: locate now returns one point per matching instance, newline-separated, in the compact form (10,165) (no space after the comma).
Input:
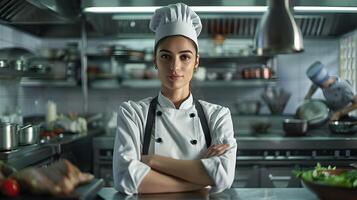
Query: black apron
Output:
(151,120)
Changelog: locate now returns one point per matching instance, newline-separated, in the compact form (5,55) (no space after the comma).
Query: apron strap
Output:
(204,123)
(151,119)
(149,123)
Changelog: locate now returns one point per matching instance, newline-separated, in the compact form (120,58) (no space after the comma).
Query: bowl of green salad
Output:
(330,183)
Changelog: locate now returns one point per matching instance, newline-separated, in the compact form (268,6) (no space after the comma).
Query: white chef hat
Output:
(317,73)
(176,19)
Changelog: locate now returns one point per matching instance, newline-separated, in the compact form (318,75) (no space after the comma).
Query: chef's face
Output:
(176,59)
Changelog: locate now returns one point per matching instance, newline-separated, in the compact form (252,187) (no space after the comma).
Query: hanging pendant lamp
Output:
(277,32)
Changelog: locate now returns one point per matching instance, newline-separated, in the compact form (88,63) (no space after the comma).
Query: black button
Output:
(192,115)
(158,140)
(193,142)
(159,113)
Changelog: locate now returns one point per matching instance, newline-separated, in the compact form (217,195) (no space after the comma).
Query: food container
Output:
(29,134)
(295,127)
(8,136)
(266,73)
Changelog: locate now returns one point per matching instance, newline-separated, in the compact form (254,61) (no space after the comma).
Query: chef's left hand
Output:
(216,150)
(335,116)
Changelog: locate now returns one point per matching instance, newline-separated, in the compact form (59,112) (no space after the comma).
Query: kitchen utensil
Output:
(314,111)
(276,99)
(343,127)
(29,134)
(248,107)
(3,63)
(260,127)
(295,127)
(354,165)
(18,58)
(8,136)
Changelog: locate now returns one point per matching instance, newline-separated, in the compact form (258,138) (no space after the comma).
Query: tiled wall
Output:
(292,68)
(291,76)
(9,88)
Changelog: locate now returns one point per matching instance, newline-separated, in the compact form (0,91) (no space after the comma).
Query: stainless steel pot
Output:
(8,136)
(295,127)
(28,134)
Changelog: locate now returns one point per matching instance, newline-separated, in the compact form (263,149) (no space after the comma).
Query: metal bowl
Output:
(314,111)
(343,127)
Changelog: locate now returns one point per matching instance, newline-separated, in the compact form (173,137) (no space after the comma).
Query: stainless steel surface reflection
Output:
(110,193)
(230,194)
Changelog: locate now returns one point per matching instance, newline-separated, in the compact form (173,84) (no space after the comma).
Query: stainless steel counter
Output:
(40,154)
(231,194)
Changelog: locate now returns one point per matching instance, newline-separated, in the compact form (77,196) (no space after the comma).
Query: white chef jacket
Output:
(176,129)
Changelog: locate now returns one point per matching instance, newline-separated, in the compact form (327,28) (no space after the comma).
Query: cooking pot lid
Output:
(313,110)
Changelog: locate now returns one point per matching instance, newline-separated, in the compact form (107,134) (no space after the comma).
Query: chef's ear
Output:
(197,62)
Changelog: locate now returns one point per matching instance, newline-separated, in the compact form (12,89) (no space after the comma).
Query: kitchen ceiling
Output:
(62,18)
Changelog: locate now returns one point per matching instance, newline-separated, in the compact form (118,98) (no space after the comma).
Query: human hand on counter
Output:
(216,150)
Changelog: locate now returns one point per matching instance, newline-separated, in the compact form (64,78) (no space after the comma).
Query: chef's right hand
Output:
(216,150)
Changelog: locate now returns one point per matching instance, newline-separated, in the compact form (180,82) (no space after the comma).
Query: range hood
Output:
(62,18)
(53,18)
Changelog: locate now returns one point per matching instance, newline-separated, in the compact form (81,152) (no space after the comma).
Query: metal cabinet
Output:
(278,176)
(246,176)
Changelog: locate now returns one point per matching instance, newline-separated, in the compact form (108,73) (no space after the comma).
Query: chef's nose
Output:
(174,64)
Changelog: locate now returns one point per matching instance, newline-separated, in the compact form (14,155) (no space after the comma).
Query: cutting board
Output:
(82,192)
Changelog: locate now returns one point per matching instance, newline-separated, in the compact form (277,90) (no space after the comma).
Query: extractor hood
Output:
(62,18)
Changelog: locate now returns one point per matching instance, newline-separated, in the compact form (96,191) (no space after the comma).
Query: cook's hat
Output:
(176,19)
(317,73)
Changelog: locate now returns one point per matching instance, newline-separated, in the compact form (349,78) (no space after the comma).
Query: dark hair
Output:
(162,39)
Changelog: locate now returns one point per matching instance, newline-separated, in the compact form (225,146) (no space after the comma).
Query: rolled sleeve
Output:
(128,171)
(222,168)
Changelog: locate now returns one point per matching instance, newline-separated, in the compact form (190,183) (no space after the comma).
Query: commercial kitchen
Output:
(67,66)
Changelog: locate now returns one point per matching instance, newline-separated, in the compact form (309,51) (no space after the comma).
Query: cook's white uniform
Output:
(176,128)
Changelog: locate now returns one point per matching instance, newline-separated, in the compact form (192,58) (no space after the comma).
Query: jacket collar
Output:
(165,102)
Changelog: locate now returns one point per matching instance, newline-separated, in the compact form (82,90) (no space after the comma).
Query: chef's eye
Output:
(185,57)
(165,56)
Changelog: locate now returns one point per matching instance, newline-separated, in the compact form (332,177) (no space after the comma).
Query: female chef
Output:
(174,142)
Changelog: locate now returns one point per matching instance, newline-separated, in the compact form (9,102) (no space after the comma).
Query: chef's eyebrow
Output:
(183,51)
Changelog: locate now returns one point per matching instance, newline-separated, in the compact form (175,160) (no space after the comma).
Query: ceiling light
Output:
(218,9)
(277,32)
(325,9)
(199,9)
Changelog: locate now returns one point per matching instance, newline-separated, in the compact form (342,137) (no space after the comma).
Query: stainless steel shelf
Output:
(47,83)
(12,73)
(156,83)
(234,59)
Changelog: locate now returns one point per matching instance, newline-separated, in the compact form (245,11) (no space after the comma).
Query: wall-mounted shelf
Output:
(12,73)
(155,83)
(47,83)
(234,59)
